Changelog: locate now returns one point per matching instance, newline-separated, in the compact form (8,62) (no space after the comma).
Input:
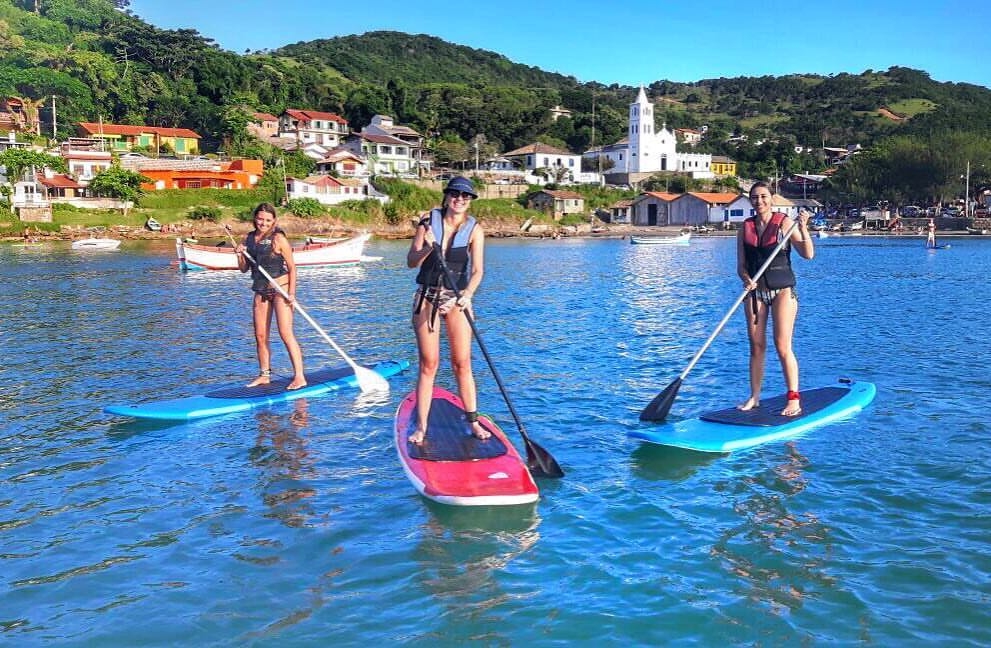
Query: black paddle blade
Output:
(540,462)
(658,408)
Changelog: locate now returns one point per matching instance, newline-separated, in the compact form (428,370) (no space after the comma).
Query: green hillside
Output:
(101,62)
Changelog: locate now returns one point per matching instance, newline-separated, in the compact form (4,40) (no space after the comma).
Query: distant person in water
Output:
(270,248)
(773,293)
(462,242)
(931,234)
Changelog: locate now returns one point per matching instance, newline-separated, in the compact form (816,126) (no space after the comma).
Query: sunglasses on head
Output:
(460,194)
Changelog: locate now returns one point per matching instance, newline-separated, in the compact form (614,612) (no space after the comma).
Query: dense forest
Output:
(99,61)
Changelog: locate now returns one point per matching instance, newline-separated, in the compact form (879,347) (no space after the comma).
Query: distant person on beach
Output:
(462,241)
(773,292)
(270,248)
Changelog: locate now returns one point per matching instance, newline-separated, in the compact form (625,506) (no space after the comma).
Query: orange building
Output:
(197,174)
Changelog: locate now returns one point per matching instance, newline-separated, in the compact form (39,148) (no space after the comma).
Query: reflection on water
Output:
(463,551)
(281,451)
(775,555)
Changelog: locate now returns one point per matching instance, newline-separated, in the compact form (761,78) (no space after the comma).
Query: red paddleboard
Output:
(452,466)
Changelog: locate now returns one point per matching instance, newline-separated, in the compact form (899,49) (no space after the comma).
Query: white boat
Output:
(682,239)
(96,244)
(208,257)
(822,234)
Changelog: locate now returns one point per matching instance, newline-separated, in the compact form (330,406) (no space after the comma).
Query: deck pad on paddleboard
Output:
(729,429)
(449,436)
(451,466)
(229,399)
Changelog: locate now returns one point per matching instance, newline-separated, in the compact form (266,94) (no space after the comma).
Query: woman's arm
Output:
(284,247)
(476,248)
(741,260)
(422,244)
(801,238)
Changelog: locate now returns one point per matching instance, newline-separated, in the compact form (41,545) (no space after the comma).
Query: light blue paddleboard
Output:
(238,398)
(730,429)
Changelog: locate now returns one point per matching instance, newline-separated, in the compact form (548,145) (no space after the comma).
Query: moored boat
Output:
(208,257)
(682,239)
(96,244)
(974,230)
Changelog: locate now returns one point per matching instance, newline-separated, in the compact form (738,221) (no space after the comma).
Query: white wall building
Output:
(648,151)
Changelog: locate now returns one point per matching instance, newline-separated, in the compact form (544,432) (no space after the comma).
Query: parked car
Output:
(910,211)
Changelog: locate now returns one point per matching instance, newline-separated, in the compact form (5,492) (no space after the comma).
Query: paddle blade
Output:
(658,408)
(540,462)
(370,381)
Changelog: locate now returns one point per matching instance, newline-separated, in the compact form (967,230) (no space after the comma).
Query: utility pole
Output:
(966,194)
(54,121)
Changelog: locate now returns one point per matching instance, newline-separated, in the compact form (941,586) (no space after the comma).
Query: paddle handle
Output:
(739,300)
(297,306)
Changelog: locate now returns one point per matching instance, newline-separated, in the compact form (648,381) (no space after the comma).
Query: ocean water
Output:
(294,525)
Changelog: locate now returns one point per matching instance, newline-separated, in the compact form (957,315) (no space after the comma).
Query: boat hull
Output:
(194,257)
(682,239)
(96,244)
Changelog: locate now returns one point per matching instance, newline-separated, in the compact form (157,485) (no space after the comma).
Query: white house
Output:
(313,127)
(385,125)
(329,190)
(385,154)
(543,156)
(344,163)
(85,165)
(647,151)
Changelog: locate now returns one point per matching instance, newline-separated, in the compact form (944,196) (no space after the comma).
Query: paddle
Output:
(539,461)
(368,380)
(658,408)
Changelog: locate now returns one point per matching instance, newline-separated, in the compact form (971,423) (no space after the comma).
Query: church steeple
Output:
(643,154)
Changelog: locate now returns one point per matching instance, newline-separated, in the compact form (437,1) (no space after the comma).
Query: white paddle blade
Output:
(370,381)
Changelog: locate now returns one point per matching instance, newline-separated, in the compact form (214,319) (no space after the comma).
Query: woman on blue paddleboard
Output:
(270,248)
(773,292)
(462,242)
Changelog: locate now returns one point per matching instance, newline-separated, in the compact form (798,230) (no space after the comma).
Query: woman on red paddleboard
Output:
(463,243)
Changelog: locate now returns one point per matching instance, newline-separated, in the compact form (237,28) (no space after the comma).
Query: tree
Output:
(117,182)
(17,161)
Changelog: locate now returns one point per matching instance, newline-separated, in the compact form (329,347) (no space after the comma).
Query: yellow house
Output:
(122,138)
(723,166)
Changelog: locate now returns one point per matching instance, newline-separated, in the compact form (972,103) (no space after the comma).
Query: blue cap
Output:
(459,183)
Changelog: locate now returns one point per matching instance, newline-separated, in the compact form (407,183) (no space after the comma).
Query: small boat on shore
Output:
(682,239)
(96,244)
(221,257)
(974,230)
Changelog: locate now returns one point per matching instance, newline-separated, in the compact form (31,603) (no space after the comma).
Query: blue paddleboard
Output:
(238,398)
(730,429)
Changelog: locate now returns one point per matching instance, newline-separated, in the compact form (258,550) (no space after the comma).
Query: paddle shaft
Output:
(538,456)
(357,368)
(739,300)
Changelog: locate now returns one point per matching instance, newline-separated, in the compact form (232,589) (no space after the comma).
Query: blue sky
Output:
(631,42)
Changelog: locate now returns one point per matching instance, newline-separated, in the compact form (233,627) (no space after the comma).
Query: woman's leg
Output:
(785,310)
(428,351)
(757,336)
(261,315)
(459,337)
(284,318)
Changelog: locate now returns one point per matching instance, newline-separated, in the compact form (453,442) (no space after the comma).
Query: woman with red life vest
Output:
(773,293)
(462,241)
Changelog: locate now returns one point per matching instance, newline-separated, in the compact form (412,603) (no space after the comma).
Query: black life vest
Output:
(457,257)
(265,256)
(757,250)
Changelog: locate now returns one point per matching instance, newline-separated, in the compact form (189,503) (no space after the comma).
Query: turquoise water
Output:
(295,525)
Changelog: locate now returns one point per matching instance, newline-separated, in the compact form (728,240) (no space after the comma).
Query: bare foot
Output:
(749,404)
(297,383)
(418,436)
(260,380)
(479,431)
(793,408)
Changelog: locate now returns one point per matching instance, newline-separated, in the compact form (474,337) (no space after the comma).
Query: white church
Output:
(645,152)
